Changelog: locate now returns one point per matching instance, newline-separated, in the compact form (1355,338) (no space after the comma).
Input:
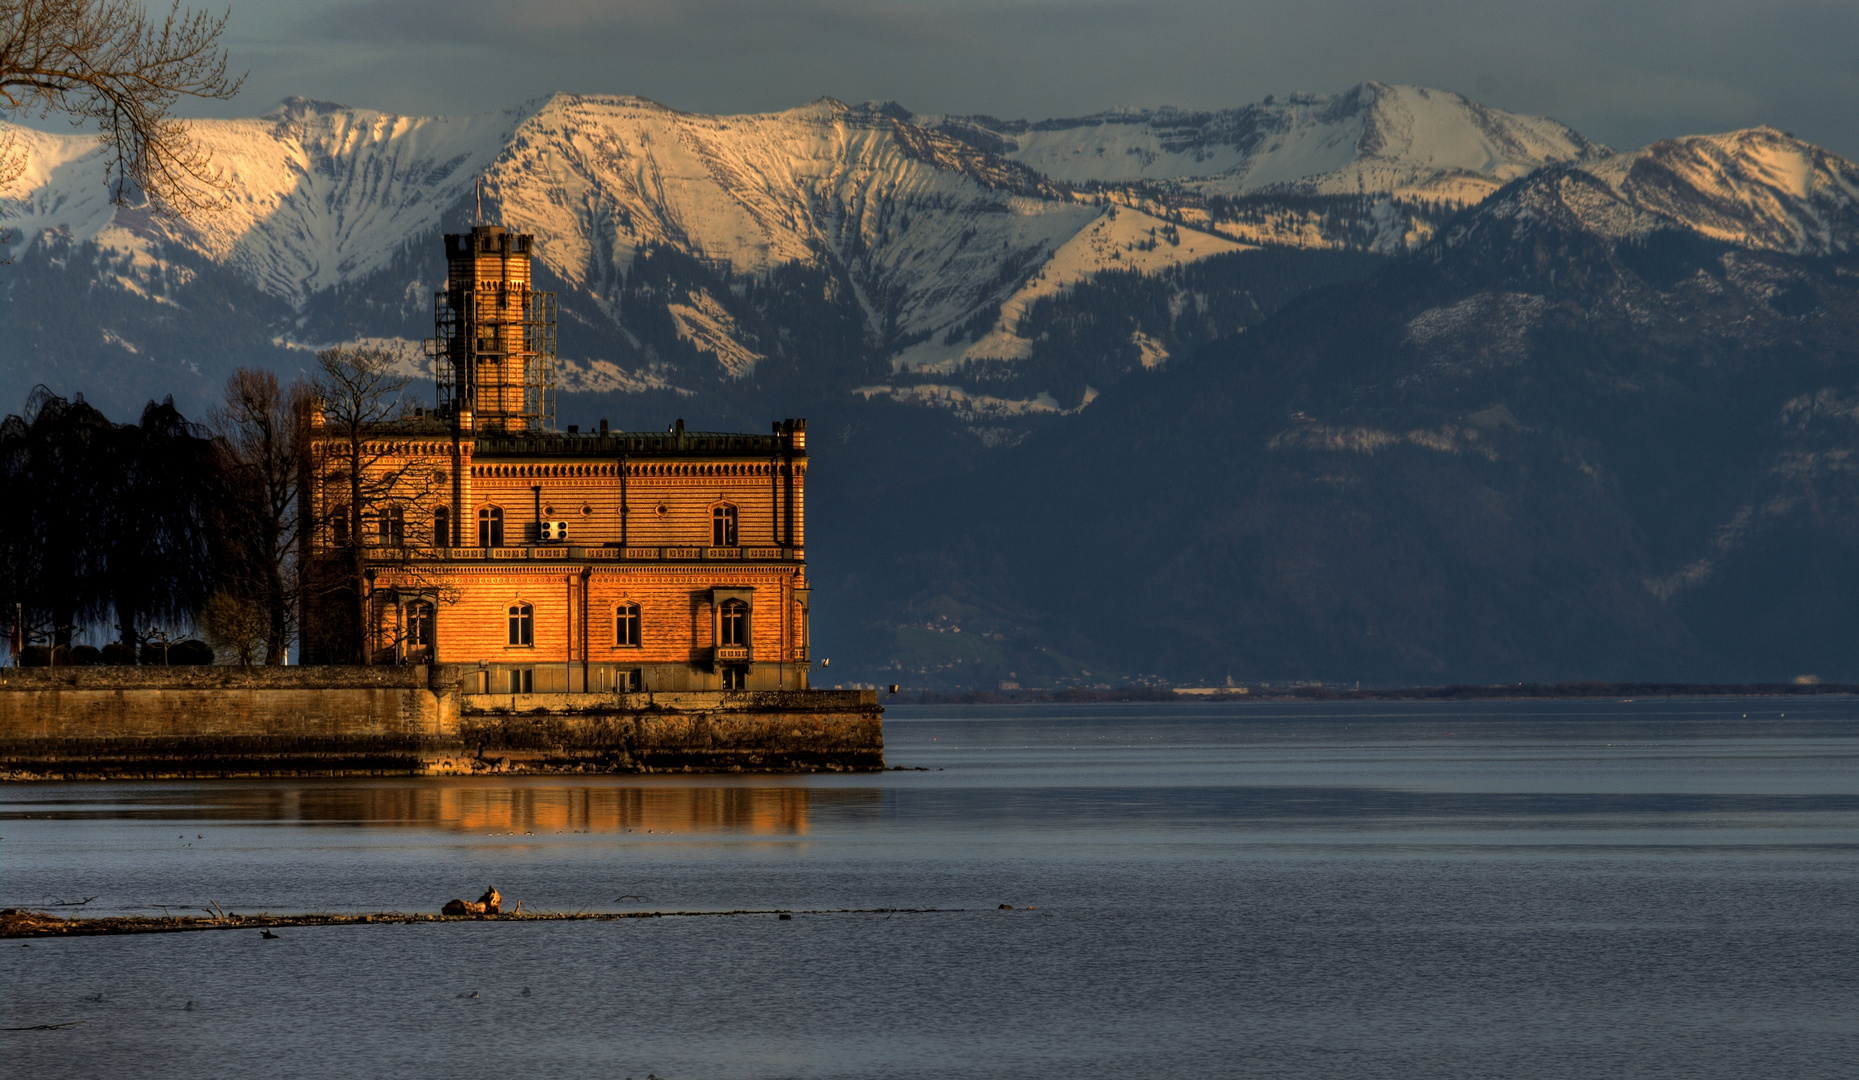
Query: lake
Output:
(1488,889)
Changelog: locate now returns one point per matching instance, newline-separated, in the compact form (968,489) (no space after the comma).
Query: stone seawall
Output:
(127,723)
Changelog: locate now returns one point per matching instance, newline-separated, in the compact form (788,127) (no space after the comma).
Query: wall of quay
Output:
(152,722)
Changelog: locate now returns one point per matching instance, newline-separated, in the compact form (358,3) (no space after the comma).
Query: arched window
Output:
(723,526)
(419,625)
(522,624)
(626,626)
(735,618)
(442,527)
(490,526)
(393,526)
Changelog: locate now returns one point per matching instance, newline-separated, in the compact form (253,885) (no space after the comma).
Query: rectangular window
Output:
(723,526)
(419,625)
(339,527)
(735,619)
(522,625)
(522,681)
(735,677)
(442,527)
(490,526)
(626,626)
(393,526)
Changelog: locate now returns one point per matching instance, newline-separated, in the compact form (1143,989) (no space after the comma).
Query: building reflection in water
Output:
(521,807)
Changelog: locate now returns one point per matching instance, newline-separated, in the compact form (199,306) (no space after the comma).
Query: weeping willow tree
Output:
(108,524)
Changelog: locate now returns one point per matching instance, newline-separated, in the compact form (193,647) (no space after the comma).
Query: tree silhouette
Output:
(104,518)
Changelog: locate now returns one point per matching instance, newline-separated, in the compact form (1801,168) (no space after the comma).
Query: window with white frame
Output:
(723,526)
(522,624)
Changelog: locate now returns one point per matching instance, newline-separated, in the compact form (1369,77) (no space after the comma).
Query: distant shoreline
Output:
(1454,692)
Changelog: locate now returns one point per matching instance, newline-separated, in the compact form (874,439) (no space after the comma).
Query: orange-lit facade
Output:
(561,562)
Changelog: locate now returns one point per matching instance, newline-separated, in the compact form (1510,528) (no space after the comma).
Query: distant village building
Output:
(563,562)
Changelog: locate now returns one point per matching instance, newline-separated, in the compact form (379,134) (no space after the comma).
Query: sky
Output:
(1625,73)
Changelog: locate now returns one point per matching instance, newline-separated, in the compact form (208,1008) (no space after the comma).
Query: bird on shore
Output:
(267,934)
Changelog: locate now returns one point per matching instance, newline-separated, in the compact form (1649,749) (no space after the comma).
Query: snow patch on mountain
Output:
(969,406)
(709,328)
(1151,352)
(1119,239)
(606,377)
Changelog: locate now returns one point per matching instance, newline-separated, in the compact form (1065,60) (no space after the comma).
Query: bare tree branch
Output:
(263,427)
(367,484)
(111,63)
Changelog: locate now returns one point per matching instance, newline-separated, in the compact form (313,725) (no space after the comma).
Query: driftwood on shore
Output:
(38,924)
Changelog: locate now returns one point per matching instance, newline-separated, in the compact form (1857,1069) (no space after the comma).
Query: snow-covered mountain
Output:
(941,245)
(1758,189)
(1408,141)
(322,194)
(941,250)
(922,228)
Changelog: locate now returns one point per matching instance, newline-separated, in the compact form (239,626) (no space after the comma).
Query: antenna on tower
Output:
(477,184)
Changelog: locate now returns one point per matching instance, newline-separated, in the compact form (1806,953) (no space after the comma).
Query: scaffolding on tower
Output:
(473,347)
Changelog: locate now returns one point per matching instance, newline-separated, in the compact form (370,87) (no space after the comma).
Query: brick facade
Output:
(697,537)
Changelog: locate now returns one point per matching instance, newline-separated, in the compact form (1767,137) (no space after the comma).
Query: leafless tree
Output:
(111,63)
(365,487)
(235,625)
(263,428)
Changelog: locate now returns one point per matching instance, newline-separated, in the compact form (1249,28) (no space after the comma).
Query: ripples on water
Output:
(1548,889)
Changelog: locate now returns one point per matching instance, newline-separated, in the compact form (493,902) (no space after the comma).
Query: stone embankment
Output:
(153,722)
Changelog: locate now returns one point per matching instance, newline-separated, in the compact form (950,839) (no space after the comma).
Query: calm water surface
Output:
(1617,889)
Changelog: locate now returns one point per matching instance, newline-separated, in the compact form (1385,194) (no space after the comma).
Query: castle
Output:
(551,562)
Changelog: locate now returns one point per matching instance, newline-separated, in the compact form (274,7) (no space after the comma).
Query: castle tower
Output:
(493,342)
